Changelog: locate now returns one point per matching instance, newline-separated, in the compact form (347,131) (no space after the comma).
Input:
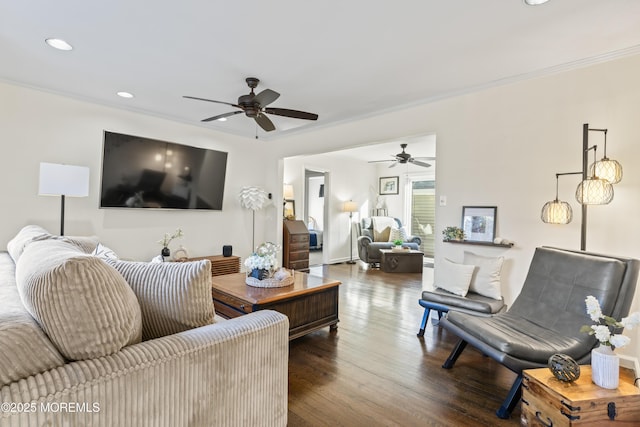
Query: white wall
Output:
(502,146)
(347,180)
(41,127)
(316,203)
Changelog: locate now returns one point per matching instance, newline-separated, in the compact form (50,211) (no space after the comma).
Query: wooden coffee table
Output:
(311,303)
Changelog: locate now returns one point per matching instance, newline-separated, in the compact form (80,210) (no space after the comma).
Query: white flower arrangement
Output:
(606,325)
(164,242)
(264,258)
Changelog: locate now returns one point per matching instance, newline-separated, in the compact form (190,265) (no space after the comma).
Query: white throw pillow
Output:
(173,296)
(398,234)
(455,278)
(486,275)
(103,252)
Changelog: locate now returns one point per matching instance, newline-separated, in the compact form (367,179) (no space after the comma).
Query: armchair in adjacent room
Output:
(379,232)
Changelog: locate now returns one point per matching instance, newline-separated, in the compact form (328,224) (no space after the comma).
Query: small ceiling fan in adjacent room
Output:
(405,157)
(255,106)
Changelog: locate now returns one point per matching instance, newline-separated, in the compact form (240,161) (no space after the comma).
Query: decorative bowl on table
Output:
(279,279)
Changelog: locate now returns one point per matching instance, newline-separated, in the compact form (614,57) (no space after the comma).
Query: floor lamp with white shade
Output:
(350,207)
(254,198)
(63,180)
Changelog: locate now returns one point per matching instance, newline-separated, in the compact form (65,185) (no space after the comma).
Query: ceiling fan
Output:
(404,157)
(255,106)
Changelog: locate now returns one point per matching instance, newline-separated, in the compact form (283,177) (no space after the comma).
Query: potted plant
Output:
(453,233)
(397,246)
(164,242)
(605,364)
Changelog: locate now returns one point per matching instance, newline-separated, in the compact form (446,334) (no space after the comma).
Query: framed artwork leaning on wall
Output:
(479,223)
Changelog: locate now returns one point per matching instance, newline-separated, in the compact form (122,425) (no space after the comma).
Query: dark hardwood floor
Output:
(375,371)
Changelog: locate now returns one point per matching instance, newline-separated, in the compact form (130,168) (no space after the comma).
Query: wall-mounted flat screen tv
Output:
(147,173)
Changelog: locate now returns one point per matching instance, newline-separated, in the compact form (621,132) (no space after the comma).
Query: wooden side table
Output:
(547,401)
(221,264)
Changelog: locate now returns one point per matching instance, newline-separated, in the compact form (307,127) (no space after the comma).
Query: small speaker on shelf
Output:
(226,250)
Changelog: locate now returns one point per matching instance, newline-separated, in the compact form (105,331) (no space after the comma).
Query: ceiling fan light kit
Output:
(255,107)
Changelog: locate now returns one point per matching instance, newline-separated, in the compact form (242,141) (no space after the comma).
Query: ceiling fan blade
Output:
(419,163)
(393,165)
(291,113)
(211,100)
(379,161)
(424,158)
(266,97)
(265,123)
(221,116)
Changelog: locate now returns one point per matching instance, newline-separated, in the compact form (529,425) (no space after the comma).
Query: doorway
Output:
(315,214)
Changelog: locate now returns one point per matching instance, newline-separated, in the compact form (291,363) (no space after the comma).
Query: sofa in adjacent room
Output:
(90,340)
(379,232)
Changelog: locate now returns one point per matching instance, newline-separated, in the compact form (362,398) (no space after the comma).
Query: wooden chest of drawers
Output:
(547,401)
(295,245)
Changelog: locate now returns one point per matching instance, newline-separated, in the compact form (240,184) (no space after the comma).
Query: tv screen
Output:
(147,173)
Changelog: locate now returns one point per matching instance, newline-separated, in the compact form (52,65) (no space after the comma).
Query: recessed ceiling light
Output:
(58,44)
(535,2)
(125,95)
(222,119)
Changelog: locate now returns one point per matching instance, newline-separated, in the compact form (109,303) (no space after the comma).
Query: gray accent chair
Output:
(547,315)
(443,302)
(369,249)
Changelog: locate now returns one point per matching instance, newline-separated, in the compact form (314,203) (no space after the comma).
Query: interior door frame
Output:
(311,171)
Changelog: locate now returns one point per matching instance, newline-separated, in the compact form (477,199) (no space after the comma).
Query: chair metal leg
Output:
(512,399)
(425,317)
(451,360)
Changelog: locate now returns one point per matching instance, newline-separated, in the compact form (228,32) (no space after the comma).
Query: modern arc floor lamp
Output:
(350,207)
(596,187)
(63,180)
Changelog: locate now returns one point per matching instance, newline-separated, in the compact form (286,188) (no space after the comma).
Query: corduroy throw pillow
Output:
(83,305)
(173,296)
(24,348)
(28,234)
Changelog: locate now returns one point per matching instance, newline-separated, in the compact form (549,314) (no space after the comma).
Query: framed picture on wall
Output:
(479,223)
(290,209)
(389,185)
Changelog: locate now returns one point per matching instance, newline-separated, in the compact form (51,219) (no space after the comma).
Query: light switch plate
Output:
(443,200)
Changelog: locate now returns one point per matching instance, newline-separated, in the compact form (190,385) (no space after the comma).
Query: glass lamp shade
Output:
(608,169)
(556,212)
(594,191)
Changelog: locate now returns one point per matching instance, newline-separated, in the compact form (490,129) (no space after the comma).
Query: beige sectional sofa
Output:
(89,340)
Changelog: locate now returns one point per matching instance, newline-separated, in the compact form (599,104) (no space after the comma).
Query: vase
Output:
(605,367)
(165,252)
